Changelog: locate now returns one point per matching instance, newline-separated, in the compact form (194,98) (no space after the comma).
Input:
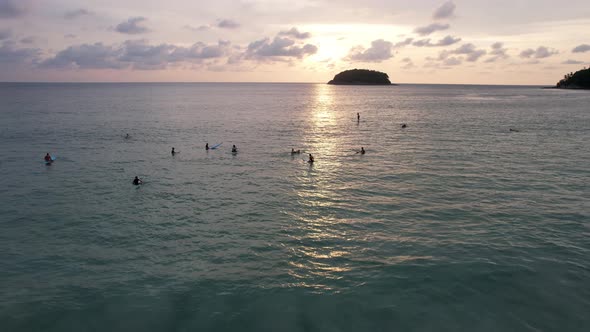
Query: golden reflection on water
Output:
(318,193)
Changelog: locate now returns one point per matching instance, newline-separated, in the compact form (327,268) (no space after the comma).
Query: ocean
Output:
(454,223)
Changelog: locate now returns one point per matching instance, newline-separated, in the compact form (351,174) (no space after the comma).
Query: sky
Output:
(517,42)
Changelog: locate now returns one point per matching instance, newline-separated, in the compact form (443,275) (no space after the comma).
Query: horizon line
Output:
(234,82)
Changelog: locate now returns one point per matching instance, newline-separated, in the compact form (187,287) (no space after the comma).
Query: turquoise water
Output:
(454,223)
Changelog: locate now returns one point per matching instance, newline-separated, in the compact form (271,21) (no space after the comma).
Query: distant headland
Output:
(577,80)
(361,77)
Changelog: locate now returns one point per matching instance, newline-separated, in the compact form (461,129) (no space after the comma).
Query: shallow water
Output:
(453,223)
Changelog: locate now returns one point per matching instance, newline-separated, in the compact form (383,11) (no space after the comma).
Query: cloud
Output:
(13,8)
(468,53)
(135,54)
(424,31)
(197,29)
(132,26)
(280,47)
(498,52)
(10,54)
(408,63)
(28,40)
(5,34)
(540,53)
(403,43)
(70,15)
(446,10)
(572,62)
(379,51)
(452,61)
(295,34)
(581,48)
(446,41)
(85,56)
(227,24)
(472,54)
(70,35)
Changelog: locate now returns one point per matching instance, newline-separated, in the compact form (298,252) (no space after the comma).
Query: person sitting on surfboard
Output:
(173,152)
(362,150)
(311,160)
(137,181)
(295,152)
(234,149)
(127,136)
(207,146)
(48,158)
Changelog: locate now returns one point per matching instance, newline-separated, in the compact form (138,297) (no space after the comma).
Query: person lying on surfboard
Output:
(293,151)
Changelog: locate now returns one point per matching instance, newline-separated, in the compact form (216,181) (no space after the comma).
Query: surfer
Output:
(173,152)
(362,150)
(514,130)
(207,146)
(127,136)
(358,117)
(234,149)
(293,151)
(404,125)
(48,158)
(137,181)
(311,160)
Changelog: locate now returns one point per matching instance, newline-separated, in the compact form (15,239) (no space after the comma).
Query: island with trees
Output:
(361,77)
(577,80)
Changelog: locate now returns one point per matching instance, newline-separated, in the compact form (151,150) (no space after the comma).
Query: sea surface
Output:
(455,223)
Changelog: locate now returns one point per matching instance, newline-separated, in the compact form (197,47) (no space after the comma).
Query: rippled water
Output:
(453,223)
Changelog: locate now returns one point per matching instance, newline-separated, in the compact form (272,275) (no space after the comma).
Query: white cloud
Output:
(540,53)
(446,41)
(227,24)
(581,48)
(446,10)
(132,26)
(379,51)
(70,15)
(293,32)
(424,31)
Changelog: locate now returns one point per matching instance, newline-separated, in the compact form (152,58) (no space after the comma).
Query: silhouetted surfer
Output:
(514,130)
(127,136)
(311,160)
(404,125)
(358,117)
(293,151)
(48,158)
(137,181)
(362,150)
(173,152)
(234,149)
(207,146)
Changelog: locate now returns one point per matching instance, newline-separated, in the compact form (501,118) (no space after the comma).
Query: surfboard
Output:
(215,146)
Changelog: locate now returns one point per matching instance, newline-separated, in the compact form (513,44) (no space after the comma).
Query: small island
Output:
(361,77)
(577,80)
